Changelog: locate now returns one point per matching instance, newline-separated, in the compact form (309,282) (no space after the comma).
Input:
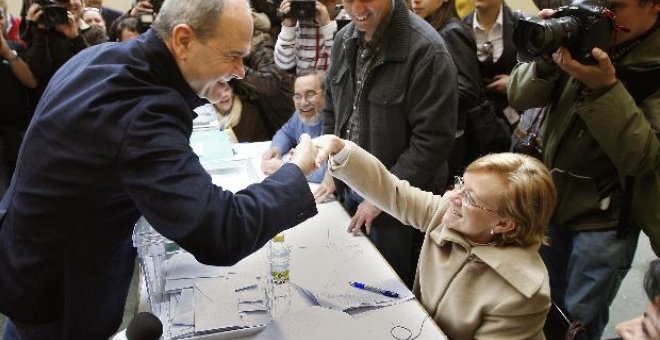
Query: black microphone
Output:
(144,326)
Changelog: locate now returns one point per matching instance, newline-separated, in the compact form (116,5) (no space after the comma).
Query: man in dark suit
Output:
(110,142)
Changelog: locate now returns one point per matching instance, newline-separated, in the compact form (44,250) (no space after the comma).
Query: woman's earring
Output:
(492,231)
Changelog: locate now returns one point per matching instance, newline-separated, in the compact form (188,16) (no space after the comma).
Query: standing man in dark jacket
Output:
(392,89)
(110,142)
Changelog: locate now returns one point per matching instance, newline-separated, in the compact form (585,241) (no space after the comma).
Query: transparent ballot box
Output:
(175,281)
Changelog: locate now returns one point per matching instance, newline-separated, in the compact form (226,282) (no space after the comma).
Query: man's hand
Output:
(324,192)
(34,14)
(270,166)
(305,155)
(327,146)
(499,83)
(70,29)
(142,7)
(594,77)
(322,16)
(271,153)
(284,9)
(271,160)
(365,214)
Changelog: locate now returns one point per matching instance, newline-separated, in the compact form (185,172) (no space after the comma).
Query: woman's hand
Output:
(70,29)
(327,146)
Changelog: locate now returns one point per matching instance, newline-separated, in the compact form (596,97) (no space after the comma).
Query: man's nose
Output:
(239,69)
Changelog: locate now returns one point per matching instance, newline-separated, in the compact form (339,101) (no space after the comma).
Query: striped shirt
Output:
(305,46)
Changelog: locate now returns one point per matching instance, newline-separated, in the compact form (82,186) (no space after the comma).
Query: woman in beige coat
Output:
(479,274)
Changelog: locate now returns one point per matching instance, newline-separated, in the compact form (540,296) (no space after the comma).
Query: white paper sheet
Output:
(314,323)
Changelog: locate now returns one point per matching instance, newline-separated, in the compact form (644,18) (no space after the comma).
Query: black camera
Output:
(54,13)
(303,9)
(580,26)
(529,145)
(146,19)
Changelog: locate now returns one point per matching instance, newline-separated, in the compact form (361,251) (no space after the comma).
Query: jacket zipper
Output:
(369,72)
(465,262)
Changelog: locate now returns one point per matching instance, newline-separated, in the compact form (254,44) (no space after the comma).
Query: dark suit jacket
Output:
(110,142)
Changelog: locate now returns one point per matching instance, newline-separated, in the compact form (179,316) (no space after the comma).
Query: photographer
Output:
(54,33)
(601,144)
(145,11)
(306,38)
(15,79)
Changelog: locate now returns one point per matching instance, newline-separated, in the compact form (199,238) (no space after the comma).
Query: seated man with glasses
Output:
(309,101)
(479,274)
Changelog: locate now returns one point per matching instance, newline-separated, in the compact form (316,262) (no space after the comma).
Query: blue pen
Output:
(385,292)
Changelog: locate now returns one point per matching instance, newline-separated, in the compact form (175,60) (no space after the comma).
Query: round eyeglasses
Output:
(466,198)
(307,95)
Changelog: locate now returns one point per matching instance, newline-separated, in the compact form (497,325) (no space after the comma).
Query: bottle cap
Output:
(279,237)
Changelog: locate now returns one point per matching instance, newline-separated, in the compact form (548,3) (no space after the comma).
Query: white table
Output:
(324,240)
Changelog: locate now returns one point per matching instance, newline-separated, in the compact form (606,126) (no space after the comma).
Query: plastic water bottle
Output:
(278,287)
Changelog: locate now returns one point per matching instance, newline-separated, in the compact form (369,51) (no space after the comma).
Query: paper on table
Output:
(216,305)
(313,323)
(342,296)
(184,313)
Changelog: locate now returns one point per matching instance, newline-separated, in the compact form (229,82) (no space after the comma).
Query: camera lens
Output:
(535,38)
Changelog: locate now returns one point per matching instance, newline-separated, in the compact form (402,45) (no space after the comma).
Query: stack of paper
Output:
(220,306)
(342,296)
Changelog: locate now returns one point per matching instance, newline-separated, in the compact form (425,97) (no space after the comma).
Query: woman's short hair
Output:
(529,195)
(201,15)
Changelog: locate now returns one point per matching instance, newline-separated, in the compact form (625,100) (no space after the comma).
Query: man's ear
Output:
(181,41)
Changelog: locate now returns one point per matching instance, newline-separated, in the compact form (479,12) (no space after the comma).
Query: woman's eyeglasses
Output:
(307,95)
(466,198)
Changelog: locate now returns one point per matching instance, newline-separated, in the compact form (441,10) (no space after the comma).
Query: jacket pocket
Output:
(580,206)
(388,95)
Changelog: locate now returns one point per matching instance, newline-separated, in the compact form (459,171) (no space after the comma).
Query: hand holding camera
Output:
(580,26)
(594,77)
(142,7)
(575,36)
(145,11)
(51,14)
(70,28)
(293,10)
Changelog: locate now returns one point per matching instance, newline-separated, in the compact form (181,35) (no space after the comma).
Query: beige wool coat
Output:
(471,291)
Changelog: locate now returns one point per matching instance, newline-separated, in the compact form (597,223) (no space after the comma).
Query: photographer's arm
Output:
(17,65)
(285,56)
(531,84)
(327,29)
(626,132)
